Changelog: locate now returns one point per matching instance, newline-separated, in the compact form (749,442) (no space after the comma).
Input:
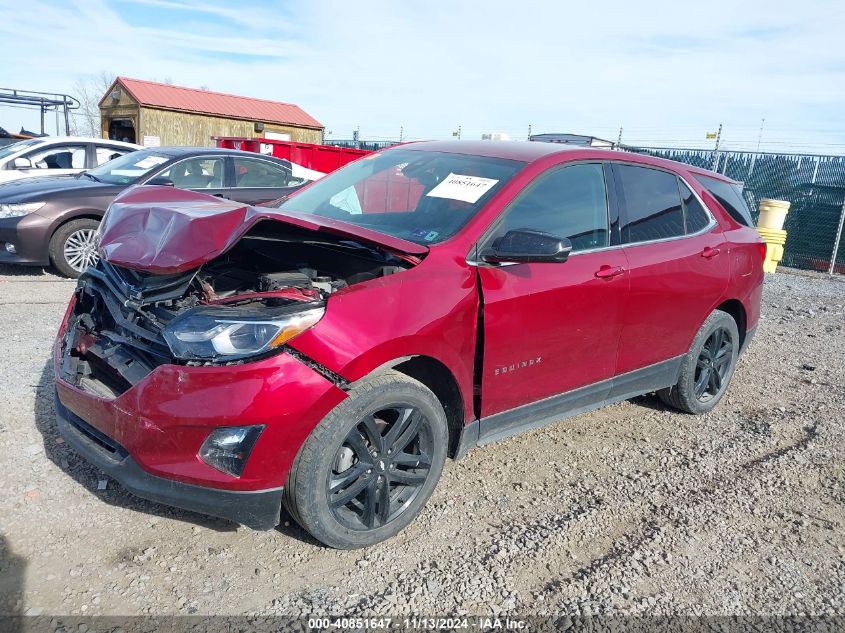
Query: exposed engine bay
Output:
(242,305)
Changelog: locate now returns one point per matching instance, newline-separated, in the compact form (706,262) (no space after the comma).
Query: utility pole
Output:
(760,137)
(716,149)
(529,132)
(401,133)
(619,139)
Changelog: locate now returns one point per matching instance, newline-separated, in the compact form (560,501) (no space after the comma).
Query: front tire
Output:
(368,468)
(708,368)
(73,247)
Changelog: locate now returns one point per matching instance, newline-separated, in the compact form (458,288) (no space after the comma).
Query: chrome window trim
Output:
(710,226)
(706,229)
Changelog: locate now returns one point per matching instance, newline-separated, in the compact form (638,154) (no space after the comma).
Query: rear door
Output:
(679,263)
(551,328)
(257,180)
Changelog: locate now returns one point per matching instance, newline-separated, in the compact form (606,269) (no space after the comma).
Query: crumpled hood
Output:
(168,230)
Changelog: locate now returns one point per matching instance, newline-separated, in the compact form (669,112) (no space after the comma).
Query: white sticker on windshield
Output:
(463,188)
(150,161)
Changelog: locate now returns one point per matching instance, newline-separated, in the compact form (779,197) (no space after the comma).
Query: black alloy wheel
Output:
(713,365)
(706,370)
(380,468)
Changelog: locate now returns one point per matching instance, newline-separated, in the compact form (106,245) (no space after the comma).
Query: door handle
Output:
(710,253)
(609,272)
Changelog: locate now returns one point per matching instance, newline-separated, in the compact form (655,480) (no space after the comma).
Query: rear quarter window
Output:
(729,195)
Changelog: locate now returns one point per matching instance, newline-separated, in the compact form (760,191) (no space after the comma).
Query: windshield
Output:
(14,148)
(420,196)
(128,168)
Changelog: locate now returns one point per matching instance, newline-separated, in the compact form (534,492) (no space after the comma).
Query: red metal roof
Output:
(158,95)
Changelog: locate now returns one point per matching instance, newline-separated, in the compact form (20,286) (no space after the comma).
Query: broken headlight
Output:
(224,335)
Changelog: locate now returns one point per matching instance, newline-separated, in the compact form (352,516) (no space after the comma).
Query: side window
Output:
(730,197)
(105,154)
(697,217)
(260,173)
(652,203)
(566,202)
(197,173)
(63,157)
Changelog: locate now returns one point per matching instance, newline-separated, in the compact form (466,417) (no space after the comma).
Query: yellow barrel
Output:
(772,236)
(772,213)
(775,240)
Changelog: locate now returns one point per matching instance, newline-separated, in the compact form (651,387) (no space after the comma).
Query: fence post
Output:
(836,241)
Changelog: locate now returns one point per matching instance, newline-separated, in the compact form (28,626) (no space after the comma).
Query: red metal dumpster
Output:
(324,158)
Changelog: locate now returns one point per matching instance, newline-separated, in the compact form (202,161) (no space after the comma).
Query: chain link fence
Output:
(815,185)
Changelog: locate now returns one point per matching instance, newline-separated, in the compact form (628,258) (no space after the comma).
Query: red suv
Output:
(329,354)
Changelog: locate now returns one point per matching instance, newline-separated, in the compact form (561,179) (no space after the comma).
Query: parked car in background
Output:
(329,354)
(54,220)
(57,156)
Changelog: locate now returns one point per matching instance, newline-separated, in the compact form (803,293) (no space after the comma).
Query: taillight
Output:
(762,247)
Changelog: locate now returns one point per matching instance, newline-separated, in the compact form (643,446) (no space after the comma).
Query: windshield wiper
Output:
(92,177)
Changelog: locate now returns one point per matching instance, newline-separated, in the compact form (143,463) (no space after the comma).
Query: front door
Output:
(550,328)
(57,160)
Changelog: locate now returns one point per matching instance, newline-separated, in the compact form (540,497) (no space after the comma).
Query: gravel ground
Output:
(632,509)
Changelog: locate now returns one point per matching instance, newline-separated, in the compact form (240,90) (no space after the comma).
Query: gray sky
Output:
(667,72)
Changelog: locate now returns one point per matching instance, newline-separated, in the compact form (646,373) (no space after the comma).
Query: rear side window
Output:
(260,173)
(105,154)
(729,195)
(697,217)
(652,204)
(566,202)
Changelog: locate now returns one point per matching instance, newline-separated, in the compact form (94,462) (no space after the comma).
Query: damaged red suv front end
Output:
(152,383)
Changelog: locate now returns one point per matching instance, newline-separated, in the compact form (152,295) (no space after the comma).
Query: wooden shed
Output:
(153,114)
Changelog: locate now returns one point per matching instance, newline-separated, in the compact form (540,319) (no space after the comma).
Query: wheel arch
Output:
(78,214)
(735,308)
(435,375)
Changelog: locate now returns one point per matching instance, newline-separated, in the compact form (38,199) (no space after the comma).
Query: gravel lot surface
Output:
(631,509)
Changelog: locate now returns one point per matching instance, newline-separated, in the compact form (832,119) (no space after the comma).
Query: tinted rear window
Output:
(697,218)
(730,197)
(652,203)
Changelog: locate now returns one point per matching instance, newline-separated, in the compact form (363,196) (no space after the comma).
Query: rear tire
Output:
(371,464)
(73,247)
(707,369)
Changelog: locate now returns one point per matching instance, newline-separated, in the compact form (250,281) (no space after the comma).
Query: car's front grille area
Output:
(114,338)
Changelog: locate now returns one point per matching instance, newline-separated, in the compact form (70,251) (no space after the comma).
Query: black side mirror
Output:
(161,181)
(525,246)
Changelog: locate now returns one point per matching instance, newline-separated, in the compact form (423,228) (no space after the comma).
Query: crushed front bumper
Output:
(148,438)
(258,509)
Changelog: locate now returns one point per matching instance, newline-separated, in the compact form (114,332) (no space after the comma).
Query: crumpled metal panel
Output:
(166,230)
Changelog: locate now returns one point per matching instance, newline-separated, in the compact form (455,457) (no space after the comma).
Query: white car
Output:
(57,156)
